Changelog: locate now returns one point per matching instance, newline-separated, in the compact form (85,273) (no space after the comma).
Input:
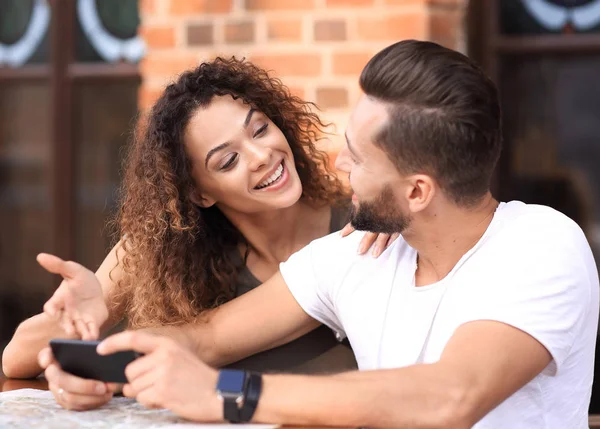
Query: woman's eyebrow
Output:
(222,146)
(213,151)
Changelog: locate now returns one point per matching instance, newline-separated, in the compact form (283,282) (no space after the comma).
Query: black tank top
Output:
(317,352)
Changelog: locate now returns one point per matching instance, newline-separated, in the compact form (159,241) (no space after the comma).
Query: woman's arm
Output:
(19,359)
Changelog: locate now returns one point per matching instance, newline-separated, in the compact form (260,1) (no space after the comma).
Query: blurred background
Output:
(75,75)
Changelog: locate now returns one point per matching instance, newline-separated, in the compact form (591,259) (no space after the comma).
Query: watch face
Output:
(231,381)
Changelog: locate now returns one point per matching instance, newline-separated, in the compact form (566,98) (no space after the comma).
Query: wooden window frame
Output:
(62,72)
(486,44)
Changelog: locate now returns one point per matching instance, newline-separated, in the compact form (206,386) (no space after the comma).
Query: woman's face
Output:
(241,161)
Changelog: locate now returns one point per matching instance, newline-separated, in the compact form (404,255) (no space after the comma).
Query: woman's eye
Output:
(229,162)
(261,130)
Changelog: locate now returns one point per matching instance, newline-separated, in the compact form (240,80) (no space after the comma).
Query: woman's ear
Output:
(202,201)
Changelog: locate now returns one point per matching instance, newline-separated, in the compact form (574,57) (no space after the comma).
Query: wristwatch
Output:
(239,391)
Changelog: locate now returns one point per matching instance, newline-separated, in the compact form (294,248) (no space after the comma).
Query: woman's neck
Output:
(274,235)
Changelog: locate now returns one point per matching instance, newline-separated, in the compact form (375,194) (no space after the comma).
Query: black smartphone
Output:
(80,358)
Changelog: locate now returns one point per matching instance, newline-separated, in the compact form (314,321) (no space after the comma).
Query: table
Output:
(7,384)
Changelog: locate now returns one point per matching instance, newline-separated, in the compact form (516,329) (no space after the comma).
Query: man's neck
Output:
(443,236)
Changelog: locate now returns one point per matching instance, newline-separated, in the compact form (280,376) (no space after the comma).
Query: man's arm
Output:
(265,317)
(482,365)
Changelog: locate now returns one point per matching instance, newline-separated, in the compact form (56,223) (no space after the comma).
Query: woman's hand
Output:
(71,392)
(376,242)
(78,304)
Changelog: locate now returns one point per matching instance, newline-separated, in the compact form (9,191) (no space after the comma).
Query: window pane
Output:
(25,204)
(549,16)
(24,28)
(553,135)
(104,116)
(107,31)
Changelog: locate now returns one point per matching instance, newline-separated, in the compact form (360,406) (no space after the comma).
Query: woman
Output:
(224,184)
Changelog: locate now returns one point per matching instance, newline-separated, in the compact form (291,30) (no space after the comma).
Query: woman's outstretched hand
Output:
(376,242)
(78,304)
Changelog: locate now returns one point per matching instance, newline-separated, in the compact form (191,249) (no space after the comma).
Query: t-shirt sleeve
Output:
(541,287)
(314,274)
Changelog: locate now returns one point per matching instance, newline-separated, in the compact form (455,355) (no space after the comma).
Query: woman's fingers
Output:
(66,323)
(93,329)
(380,245)
(367,242)
(53,307)
(347,230)
(82,329)
(392,238)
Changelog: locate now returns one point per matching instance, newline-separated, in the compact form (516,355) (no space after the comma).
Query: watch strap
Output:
(251,397)
(231,410)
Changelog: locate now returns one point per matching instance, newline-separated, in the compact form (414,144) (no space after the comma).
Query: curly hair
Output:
(178,258)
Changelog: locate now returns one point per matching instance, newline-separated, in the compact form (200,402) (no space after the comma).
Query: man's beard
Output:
(380,215)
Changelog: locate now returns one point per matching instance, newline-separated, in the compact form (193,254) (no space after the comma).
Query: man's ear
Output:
(421,192)
(202,201)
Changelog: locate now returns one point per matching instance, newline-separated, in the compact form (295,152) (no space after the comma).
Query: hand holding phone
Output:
(80,358)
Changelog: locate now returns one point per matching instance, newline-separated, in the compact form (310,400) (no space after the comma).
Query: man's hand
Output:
(167,376)
(78,304)
(71,392)
(376,242)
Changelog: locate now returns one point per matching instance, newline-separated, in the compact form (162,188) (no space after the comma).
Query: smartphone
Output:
(80,358)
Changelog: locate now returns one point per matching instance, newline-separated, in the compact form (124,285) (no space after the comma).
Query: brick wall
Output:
(317,47)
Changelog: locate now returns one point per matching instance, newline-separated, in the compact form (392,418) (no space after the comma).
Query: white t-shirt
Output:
(532,269)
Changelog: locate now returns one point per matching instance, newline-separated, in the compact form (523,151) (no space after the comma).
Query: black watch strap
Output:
(231,410)
(253,390)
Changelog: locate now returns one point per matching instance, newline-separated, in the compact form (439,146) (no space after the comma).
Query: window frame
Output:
(62,73)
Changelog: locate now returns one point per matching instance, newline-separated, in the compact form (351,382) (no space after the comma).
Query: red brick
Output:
(279,4)
(290,64)
(284,29)
(350,63)
(239,32)
(147,97)
(158,37)
(406,2)
(197,7)
(298,91)
(148,7)
(333,3)
(443,3)
(328,98)
(445,27)
(330,30)
(167,65)
(394,27)
(200,34)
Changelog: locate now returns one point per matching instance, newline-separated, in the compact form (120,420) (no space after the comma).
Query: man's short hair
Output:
(445,118)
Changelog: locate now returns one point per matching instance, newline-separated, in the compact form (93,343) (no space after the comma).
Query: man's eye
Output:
(261,130)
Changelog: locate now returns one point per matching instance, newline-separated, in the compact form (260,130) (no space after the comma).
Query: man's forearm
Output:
(421,397)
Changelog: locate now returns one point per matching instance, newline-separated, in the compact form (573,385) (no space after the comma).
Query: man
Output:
(481,315)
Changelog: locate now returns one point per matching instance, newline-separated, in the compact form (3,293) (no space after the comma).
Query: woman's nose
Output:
(259,155)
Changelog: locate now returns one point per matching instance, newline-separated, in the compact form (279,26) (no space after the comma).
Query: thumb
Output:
(56,265)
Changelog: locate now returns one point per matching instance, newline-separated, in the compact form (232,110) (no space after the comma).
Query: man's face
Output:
(377,185)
